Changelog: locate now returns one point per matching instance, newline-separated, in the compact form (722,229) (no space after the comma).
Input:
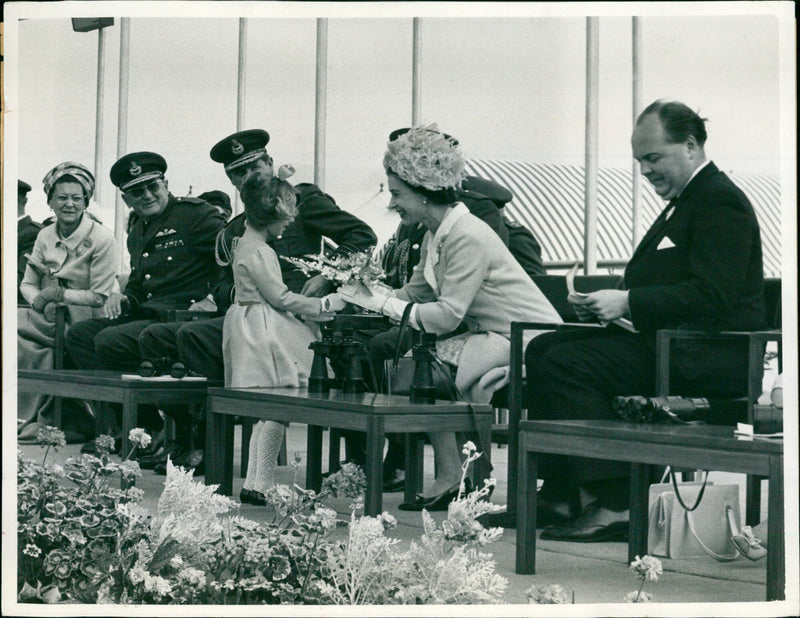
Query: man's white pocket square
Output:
(665,243)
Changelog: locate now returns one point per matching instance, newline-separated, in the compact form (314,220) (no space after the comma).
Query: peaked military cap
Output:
(136,168)
(23,187)
(488,188)
(217,198)
(240,148)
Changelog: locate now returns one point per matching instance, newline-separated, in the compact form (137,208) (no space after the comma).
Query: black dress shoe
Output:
(161,467)
(587,528)
(192,459)
(172,449)
(396,482)
(547,514)
(436,503)
(250,496)
(417,505)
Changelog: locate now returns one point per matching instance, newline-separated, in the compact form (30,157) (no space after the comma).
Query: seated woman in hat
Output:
(73,262)
(466,278)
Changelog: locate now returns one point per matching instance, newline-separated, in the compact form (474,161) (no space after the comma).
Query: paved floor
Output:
(597,573)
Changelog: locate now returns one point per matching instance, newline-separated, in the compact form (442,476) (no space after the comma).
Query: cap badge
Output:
(236,147)
(135,169)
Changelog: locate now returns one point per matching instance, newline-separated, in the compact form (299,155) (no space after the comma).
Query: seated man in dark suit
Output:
(699,266)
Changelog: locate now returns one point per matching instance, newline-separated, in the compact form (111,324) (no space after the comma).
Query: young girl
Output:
(263,343)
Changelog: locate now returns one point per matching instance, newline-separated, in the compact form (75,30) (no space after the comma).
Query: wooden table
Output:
(701,447)
(374,414)
(109,386)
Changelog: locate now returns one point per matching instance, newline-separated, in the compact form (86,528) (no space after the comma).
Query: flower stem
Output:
(639,592)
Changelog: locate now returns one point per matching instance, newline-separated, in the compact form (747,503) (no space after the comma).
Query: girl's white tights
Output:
(265,444)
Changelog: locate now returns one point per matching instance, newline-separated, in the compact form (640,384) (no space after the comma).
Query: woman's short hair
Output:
(440,197)
(679,121)
(268,199)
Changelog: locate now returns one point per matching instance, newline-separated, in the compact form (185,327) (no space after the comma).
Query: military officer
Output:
(171,245)
(198,344)
(27,231)
(521,241)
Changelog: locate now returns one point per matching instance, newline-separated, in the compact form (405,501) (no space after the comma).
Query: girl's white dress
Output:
(263,344)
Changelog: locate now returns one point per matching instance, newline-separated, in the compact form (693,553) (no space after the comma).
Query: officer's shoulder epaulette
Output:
(511,223)
(190,201)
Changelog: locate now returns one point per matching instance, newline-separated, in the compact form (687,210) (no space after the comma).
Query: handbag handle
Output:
(708,550)
(402,334)
(678,493)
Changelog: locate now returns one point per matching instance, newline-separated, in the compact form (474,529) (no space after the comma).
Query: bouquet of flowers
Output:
(357,267)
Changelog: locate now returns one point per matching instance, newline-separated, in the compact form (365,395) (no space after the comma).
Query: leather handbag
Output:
(693,519)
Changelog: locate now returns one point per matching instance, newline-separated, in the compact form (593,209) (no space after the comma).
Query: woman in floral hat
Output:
(466,281)
(74,262)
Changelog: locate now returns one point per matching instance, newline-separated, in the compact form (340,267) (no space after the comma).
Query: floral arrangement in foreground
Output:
(82,540)
(357,267)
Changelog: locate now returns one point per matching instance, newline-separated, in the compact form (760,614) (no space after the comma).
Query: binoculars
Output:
(637,409)
(343,351)
(423,388)
(164,366)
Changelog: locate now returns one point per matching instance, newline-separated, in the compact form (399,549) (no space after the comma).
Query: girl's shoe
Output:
(250,496)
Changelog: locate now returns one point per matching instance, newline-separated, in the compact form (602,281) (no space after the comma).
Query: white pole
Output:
(122,131)
(416,69)
(637,108)
(241,87)
(98,131)
(321,102)
(592,108)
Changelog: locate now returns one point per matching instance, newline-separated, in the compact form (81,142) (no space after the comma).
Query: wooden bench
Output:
(109,386)
(703,447)
(375,414)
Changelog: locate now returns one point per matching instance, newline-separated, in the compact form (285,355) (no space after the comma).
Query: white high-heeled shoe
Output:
(748,545)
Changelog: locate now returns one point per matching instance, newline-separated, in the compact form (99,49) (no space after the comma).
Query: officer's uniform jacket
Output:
(172,256)
(317,215)
(525,248)
(27,231)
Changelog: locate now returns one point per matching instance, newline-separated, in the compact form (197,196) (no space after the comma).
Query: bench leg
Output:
(334,449)
(752,515)
(130,416)
(414,460)
(640,487)
(247,433)
(374,471)
(314,455)
(776,559)
(219,451)
(483,467)
(526,513)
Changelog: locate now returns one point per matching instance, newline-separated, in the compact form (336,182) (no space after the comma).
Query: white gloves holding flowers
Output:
(377,297)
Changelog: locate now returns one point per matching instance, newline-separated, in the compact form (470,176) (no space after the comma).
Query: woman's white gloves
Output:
(377,298)
(332,303)
(370,299)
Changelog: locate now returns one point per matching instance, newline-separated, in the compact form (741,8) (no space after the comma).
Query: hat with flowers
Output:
(425,157)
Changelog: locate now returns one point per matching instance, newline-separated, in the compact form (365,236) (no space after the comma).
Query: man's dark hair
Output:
(679,121)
